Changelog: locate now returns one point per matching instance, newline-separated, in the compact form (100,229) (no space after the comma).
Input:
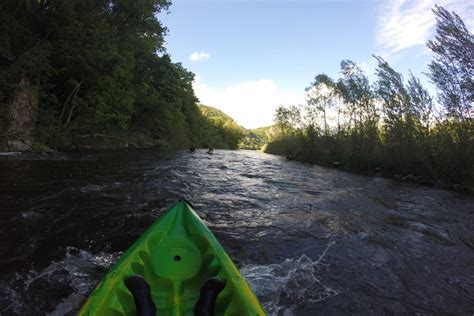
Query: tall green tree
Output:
(24,63)
(400,119)
(452,71)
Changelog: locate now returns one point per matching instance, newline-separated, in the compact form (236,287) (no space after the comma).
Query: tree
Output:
(400,120)
(360,107)
(355,90)
(452,69)
(288,119)
(97,67)
(24,65)
(421,103)
(320,98)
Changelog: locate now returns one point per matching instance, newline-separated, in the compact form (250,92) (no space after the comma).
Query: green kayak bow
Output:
(177,267)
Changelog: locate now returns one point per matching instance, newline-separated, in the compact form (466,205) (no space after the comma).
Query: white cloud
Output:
(252,103)
(199,56)
(404,23)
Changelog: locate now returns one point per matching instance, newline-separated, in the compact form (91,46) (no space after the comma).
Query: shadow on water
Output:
(307,238)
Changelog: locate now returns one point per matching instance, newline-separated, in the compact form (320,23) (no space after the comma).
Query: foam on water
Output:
(283,287)
(75,274)
(10,153)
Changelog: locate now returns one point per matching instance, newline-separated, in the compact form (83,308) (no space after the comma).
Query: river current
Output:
(309,240)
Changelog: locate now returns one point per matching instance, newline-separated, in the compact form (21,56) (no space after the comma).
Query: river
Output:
(308,239)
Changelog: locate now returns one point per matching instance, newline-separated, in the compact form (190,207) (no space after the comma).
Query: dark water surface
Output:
(308,239)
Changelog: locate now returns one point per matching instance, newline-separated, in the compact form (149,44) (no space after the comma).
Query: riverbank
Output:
(294,151)
(99,141)
(79,142)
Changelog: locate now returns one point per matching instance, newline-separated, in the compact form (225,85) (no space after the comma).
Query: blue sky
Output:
(250,56)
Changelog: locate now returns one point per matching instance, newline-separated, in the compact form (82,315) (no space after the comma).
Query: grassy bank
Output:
(437,168)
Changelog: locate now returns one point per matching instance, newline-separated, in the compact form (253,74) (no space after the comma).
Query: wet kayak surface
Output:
(308,239)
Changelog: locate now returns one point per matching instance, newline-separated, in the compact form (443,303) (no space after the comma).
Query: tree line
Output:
(393,126)
(82,70)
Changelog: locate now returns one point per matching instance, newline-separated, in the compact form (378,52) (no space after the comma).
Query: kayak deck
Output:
(176,256)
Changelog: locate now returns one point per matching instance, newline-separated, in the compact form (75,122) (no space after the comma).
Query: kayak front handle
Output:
(140,290)
(208,297)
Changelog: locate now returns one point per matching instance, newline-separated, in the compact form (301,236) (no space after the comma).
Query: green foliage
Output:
(101,68)
(401,120)
(360,107)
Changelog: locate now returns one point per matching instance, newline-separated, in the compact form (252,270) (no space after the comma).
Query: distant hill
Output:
(266,132)
(249,138)
(223,131)
(256,138)
(213,113)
